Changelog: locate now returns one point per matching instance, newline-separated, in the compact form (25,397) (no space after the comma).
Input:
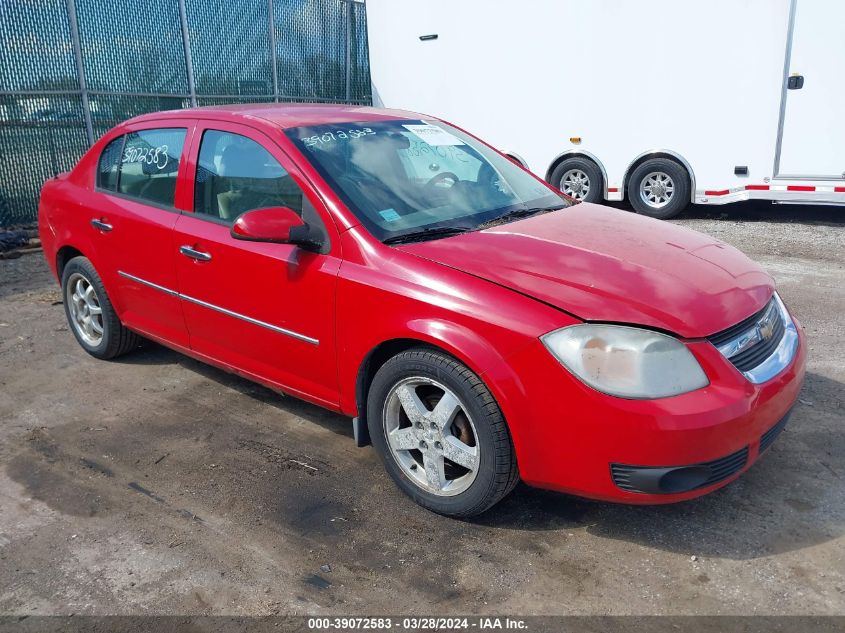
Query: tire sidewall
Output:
(680,198)
(592,170)
(396,370)
(84,267)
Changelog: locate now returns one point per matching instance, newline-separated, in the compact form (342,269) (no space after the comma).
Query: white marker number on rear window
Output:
(150,155)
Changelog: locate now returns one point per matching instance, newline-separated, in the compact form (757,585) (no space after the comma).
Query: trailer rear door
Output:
(812,142)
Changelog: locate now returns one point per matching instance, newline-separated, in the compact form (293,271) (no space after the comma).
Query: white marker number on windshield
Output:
(337,135)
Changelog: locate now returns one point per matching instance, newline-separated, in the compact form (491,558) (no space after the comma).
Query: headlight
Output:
(626,361)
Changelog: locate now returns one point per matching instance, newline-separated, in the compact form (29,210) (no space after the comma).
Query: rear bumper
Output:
(574,439)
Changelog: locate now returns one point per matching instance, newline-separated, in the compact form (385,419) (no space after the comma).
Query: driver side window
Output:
(235,174)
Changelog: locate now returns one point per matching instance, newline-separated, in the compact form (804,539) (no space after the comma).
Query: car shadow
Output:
(151,353)
(758,211)
(789,500)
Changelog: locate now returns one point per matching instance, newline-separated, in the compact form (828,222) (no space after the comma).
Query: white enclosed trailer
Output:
(662,102)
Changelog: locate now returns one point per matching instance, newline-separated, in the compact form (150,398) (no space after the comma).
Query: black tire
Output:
(585,166)
(497,473)
(115,339)
(680,196)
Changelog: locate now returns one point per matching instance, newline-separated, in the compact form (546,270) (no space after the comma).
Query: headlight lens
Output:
(626,361)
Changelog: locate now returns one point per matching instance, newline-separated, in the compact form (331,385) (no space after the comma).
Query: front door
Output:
(813,134)
(267,310)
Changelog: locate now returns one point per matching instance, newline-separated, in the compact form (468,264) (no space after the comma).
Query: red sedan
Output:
(479,326)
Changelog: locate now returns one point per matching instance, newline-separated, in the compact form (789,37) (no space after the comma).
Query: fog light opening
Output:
(684,479)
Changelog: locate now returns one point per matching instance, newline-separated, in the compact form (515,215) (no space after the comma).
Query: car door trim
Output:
(144,282)
(216,308)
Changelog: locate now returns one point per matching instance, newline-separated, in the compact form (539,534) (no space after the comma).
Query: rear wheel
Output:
(440,434)
(90,314)
(579,178)
(659,188)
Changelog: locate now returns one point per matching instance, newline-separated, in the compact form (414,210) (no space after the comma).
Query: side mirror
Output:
(273,224)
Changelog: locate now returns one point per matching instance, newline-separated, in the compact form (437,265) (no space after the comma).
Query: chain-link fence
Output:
(72,69)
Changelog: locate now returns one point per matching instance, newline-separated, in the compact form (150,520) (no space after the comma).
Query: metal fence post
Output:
(271,19)
(349,9)
(80,70)
(273,69)
(186,42)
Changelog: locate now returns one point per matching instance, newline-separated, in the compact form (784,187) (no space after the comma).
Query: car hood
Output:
(601,264)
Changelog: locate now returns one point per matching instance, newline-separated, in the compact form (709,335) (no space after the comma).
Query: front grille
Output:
(772,434)
(753,355)
(732,332)
(756,354)
(626,477)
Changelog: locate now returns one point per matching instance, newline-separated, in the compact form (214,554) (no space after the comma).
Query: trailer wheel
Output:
(659,188)
(579,178)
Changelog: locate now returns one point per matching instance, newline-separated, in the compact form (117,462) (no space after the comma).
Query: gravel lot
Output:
(156,484)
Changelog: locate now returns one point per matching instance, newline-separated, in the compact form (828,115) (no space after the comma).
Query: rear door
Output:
(139,174)
(267,310)
(813,134)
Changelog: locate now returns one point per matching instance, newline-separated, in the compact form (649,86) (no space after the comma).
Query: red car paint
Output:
(485,297)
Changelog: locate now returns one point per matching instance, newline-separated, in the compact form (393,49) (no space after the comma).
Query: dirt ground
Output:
(156,484)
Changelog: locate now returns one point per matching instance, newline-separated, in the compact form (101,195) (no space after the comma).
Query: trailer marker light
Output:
(800,188)
(616,189)
(722,192)
(757,187)
(575,140)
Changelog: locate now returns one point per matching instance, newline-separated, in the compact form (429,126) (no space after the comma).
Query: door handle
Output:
(101,226)
(199,256)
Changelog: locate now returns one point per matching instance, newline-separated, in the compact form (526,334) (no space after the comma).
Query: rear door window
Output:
(149,165)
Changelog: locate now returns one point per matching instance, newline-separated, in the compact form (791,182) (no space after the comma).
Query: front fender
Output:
(484,358)
(407,299)
(385,294)
(480,355)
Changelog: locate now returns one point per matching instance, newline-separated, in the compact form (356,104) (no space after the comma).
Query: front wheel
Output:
(659,188)
(440,434)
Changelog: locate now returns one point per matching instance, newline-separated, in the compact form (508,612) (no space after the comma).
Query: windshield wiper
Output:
(518,214)
(434,232)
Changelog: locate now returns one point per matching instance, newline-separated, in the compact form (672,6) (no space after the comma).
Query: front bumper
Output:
(568,436)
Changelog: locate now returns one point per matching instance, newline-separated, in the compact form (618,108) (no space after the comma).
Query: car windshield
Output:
(410,180)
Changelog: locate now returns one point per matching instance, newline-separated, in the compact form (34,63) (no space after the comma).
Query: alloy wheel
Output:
(657,189)
(575,184)
(85,310)
(431,436)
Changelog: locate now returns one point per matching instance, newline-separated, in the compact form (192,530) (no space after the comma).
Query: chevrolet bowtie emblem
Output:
(766,329)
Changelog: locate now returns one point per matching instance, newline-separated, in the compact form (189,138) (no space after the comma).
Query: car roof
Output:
(285,115)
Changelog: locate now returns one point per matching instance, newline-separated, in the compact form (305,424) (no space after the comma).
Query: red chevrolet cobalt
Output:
(479,326)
